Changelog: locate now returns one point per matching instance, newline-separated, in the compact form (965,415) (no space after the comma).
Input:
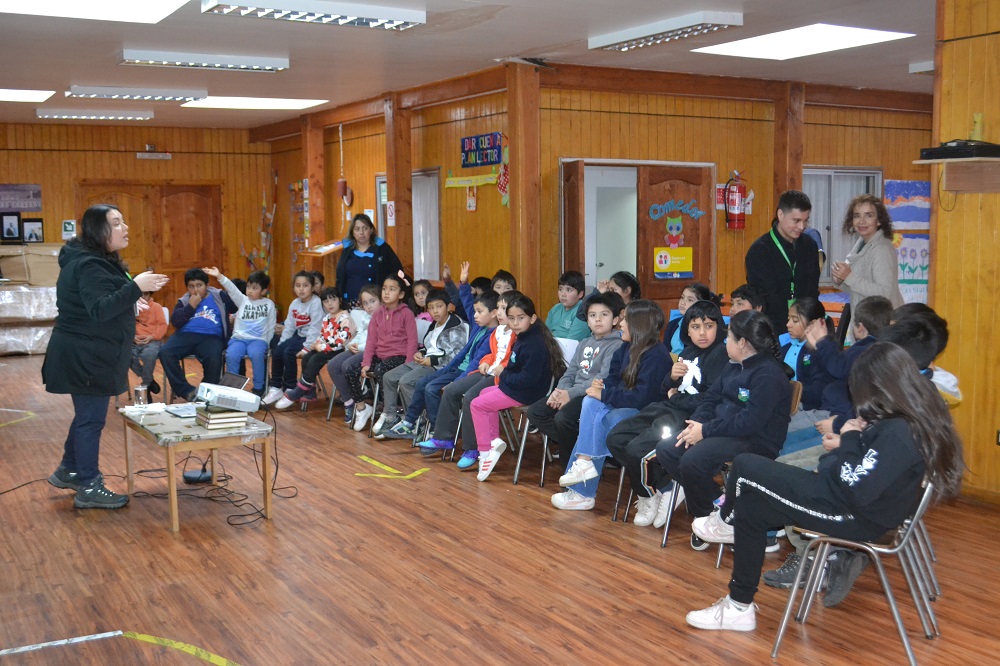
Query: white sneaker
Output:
(572,501)
(645,509)
(661,514)
(723,615)
(712,529)
(273,395)
(581,470)
(361,416)
(488,460)
(378,424)
(283,403)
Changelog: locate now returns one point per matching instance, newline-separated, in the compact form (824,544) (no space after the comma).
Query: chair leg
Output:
(926,553)
(895,610)
(371,421)
(618,497)
(813,583)
(792,593)
(458,432)
(718,557)
(674,492)
(329,406)
(545,456)
(918,590)
(520,452)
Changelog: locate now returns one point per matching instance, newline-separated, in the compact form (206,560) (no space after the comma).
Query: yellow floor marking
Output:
(29,415)
(393,473)
(202,654)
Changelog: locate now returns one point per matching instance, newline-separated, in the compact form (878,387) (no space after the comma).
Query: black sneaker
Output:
(95,495)
(153,387)
(63,478)
(698,544)
(772,545)
(844,570)
(784,576)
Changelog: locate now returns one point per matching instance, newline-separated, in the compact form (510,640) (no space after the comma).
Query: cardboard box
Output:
(13,263)
(43,263)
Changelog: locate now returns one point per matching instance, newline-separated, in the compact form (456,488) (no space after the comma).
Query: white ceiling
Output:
(461,36)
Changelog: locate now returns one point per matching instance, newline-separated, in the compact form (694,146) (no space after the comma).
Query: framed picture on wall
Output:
(10,228)
(32,231)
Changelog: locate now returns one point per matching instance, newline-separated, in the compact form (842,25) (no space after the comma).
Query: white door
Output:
(610,210)
(426,225)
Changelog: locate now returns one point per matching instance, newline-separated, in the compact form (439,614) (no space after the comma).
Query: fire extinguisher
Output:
(736,194)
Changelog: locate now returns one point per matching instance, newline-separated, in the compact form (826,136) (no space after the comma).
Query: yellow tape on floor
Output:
(204,655)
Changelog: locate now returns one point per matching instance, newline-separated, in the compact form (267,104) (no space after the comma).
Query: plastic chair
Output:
(903,545)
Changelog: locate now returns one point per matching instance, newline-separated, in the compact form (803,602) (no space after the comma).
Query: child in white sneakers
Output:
(368,297)
(302,324)
(335,333)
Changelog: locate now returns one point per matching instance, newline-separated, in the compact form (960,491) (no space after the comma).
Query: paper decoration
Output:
(471,181)
(914,258)
(670,263)
(908,203)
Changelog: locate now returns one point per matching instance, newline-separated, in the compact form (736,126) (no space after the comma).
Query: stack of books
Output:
(215,418)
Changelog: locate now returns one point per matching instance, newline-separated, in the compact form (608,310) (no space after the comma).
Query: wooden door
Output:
(676,236)
(138,205)
(574,232)
(189,235)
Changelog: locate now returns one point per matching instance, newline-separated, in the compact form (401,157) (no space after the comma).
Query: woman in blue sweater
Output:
(866,485)
(746,410)
(637,370)
(535,360)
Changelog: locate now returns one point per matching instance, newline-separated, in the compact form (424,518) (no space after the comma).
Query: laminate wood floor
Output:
(434,569)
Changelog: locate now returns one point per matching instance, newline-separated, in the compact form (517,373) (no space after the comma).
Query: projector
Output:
(236,399)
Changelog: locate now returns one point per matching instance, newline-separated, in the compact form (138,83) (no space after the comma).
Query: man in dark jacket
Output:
(784,262)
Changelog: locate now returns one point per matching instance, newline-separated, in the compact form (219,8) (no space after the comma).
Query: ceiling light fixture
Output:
(680,27)
(926,67)
(147,11)
(321,11)
(13,95)
(91,114)
(804,41)
(142,94)
(254,103)
(203,61)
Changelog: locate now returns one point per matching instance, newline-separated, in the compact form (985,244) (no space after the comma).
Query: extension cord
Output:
(197,476)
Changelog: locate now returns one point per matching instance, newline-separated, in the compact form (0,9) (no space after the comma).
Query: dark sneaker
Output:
(349,415)
(784,576)
(153,387)
(772,545)
(63,478)
(401,430)
(844,570)
(95,495)
(698,544)
(382,431)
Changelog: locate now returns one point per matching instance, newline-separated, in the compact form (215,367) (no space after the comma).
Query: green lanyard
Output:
(790,265)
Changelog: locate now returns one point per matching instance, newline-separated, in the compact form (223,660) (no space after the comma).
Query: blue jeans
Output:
(596,421)
(427,395)
(256,351)
(284,365)
(83,443)
(206,348)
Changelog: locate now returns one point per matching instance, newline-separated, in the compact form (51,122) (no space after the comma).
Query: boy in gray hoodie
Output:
(558,414)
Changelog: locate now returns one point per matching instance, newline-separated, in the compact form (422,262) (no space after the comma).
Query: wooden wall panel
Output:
(966,240)
(364,157)
(288,167)
(60,157)
(481,236)
(734,134)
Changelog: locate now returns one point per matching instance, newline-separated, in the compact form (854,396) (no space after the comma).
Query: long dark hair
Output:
(95,232)
(885,383)
(881,214)
(703,293)
(556,364)
(645,321)
(810,309)
(755,328)
(626,280)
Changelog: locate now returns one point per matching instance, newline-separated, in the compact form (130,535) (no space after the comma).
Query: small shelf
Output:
(970,175)
(322,249)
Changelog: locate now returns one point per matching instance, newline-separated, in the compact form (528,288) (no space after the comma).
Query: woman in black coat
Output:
(365,259)
(88,355)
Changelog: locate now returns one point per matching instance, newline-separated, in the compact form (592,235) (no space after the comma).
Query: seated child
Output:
(535,359)
(201,318)
(946,382)
(633,441)
(418,301)
(562,319)
(150,327)
(745,410)
(634,379)
(440,345)
(335,333)
(427,392)
(302,324)
(692,293)
(253,325)
(392,341)
(557,415)
(457,396)
(799,353)
(503,281)
(746,297)
(318,280)
(623,283)
(369,299)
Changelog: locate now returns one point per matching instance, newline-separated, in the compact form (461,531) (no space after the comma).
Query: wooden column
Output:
(314,169)
(399,179)
(524,134)
(789,108)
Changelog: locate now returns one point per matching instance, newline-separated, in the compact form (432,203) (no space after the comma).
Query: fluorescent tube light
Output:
(203,61)
(677,28)
(323,12)
(804,41)
(266,103)
(125,11)
(926,67)
(13,95)
(91,114)
(142,94)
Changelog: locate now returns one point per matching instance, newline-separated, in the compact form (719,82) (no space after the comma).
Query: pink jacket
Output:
(391,333)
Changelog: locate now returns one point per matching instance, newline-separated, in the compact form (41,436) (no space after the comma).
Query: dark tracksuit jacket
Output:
(810,370)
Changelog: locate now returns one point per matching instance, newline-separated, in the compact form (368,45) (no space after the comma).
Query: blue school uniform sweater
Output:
(655,363)
(836,397)
(528,374)
(810,370)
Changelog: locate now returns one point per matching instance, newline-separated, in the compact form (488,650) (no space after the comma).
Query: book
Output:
(213,413)
(217,425)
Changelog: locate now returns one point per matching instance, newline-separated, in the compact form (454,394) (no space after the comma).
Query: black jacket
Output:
(91,343)
(386,263)
(811,371)
(528,374)
(768,271)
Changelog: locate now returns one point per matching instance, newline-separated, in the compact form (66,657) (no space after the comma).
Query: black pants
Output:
(764,495)
(313,362)
(559,425)
(695,467)
(455,399)
(633,444)
(83,443)
(378,368)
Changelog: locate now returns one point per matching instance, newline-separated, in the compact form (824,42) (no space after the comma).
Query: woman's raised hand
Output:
(150,281)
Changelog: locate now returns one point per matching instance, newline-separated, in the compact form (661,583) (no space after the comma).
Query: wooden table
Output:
(178,435)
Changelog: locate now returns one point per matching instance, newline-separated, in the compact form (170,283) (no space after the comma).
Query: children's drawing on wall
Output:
(675,232)
(908,203)
(914,258)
